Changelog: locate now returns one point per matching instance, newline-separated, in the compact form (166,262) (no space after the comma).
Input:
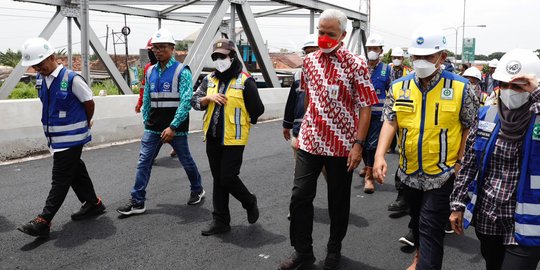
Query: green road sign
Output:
(469,45)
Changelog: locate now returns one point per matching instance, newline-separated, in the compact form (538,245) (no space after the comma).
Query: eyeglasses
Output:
(157,48)
(38,66)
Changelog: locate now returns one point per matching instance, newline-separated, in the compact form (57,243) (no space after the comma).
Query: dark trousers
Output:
(429,211)
(397,181)
(368,154)
(307,171)
(68,171)
(499,256)
(225,163)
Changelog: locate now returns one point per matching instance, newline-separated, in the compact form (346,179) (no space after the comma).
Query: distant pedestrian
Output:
(67,114)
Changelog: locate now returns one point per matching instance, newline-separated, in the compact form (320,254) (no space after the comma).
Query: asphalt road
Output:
(168,235)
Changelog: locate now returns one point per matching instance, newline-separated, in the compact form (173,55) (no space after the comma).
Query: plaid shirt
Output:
(496,203)
(467,116)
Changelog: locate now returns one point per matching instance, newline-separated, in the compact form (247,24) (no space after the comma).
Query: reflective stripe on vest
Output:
(527,216)
(381,82)
(64,118)
(162,99)
(236,120)
(488,128)
(434,131)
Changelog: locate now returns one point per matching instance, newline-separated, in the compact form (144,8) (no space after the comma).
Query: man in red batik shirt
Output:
(339,96)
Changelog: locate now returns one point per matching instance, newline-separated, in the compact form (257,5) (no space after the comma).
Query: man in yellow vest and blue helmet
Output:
(232,103)
(501,169)
(166,106)
(432,110)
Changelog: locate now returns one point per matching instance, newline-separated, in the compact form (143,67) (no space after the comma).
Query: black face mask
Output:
(152,57)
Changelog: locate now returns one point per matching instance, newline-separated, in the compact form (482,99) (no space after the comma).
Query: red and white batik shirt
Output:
(337,85)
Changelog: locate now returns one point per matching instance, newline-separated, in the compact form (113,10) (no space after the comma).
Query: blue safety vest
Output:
(380,78)
(63,116)
(164,97)
(527,216)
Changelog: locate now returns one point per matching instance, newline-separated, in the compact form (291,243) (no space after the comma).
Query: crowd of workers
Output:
(468,144)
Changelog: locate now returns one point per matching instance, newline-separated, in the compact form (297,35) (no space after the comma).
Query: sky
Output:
(510,24)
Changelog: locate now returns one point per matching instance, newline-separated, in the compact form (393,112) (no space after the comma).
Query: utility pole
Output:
(463,39)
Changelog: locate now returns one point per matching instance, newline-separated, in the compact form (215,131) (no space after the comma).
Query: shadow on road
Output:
(187,213)
(251,236)
(320,215)
(6,225)
(167,162)
(76,233)
(465,244)
(348,264)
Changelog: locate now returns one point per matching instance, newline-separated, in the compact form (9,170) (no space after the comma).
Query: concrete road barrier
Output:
(115,120)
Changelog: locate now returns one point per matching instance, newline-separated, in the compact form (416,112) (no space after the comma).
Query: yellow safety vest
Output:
(429,126)
(236,121)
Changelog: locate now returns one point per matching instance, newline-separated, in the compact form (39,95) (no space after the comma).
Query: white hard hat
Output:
(35,50)
(375,40)
(473,72)
(517,62)
(311,40)
(163,36)
(493,63)
(397,51)
(427,40)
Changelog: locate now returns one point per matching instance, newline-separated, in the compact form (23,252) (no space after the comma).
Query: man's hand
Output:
(167,135)
(137,108)
(457,168)
(379,169)
(218,98)
(287,133)
(456,220)
(355,156)
(526,82)
(90,123)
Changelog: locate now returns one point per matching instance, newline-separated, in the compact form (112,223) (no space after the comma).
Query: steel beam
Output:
(69,43)
(14,77)
(320,6)
(275,11)
(107,61)
(184,18)
(199,51)
(84,26)
(311,21)
(134,11)
(175,7)
(232,24)
(257,44)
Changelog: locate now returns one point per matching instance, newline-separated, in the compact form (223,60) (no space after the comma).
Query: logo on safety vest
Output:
(167,86)
(63,86)
(405,94)
(152,86)
(383,72)
(536,132)
(447,94)
(513,67)
(420,41)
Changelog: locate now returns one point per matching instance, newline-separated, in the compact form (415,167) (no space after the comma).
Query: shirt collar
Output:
(168,65)
(56,72)
(339,53)
(432,82)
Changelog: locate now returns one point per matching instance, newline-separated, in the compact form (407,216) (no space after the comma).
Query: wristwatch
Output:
(360,142)
(458,162)
(173,128)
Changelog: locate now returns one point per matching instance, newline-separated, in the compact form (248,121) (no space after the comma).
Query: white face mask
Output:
(513,99)
(396,62)
(223,64)
(423,68)
(371,55)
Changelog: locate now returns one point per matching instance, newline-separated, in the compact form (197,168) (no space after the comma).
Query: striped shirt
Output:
(337,85)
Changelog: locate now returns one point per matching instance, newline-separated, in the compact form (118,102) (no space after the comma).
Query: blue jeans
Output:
(150,145)
(372,139)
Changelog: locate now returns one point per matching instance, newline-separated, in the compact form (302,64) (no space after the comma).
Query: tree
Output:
(497,55)
(183,45)
(10,58)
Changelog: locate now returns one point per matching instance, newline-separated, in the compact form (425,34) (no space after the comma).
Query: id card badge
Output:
(333,91)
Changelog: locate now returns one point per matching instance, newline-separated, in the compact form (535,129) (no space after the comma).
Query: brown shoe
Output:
(298,261)
(363,172)
(369,185)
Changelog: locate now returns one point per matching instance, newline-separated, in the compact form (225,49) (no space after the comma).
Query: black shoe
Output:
(399,205)
(297,261)
(215,228)
(408,239)
(131,208)
(196,197)
(88,210)
(38,227)
(332,261)
(253,212)
(448,228)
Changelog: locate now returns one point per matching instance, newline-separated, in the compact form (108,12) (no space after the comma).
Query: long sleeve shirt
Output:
(496,203)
